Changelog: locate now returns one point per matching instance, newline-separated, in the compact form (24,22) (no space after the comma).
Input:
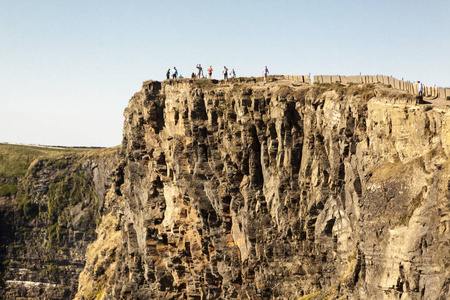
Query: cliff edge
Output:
(245,190)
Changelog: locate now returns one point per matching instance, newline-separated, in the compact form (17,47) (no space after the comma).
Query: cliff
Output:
(51,200)
(245,190)
(237,190)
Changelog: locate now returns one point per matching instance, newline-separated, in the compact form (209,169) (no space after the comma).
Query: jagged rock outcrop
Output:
(240,190)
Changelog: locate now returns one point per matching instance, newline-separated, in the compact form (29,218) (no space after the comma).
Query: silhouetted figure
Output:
(175,73)
(225,72)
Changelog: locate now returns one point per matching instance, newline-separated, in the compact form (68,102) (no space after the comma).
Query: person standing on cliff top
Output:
(420,88)
(232,74)
(168,74)
(265,73)
(175,73)
(225,72)
(209,72)
(200,71)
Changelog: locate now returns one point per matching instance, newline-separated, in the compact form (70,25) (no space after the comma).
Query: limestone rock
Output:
(244,190)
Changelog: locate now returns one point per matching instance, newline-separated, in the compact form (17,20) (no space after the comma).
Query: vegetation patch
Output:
(57,172)
(415,203)
(65,194)
(352,262)
(366,90)
(8,190)
(311,296)
(15,159)
(384,92)
(300,94)
(52,272)
(319,88)
(26,207)
(97,290)
(351,257)
(44,184)
(68,192)
(206,84)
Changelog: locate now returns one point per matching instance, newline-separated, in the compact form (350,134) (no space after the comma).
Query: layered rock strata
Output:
(47,223)
(245,190)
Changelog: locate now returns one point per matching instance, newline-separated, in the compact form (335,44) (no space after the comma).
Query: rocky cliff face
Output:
(240,190)
(48,216)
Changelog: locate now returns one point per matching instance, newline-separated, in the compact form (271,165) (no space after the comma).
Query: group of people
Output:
(233,75)
(225,72)
(210,71)
(174,73)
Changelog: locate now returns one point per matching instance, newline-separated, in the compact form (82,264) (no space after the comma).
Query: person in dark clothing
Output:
(225,72)
(175,73)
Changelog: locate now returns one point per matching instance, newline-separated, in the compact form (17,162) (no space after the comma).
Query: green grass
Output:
(68,192)
(26,206)
(15,159)
(8,190)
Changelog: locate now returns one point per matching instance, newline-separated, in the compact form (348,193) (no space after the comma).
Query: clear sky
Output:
(68,68)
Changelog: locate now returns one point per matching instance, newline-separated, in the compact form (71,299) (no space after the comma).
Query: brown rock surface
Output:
(240,190)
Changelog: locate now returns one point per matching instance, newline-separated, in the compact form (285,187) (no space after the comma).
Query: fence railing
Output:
(406,86)
(298,78)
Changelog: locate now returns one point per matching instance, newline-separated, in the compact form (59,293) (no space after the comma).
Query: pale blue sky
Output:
(68,68)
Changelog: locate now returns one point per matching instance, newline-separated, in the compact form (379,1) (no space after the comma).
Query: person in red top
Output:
(209,72)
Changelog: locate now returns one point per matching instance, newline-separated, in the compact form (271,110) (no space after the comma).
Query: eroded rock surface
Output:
(240,190)
(48,221)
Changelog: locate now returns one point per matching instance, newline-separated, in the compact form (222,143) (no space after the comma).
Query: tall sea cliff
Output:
(246,190)
(241,189)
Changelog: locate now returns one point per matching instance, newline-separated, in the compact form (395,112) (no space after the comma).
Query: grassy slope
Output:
(15,159)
